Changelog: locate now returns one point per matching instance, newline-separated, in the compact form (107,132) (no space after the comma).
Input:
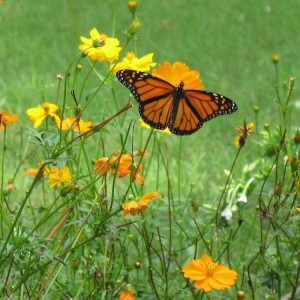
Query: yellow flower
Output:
(144,125)
(58,176)
(68,123)
(38,114)
(140,205)
(245,130)
(296,209)
(208,274)
(177,73)
(100,47)
(6,119)
(131,62)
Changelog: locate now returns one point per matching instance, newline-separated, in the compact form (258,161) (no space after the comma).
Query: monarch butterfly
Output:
(163,105)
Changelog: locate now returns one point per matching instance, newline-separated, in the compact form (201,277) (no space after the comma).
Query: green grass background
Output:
(231,44)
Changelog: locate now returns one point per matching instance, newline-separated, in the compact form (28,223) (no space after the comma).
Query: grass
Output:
(71,242)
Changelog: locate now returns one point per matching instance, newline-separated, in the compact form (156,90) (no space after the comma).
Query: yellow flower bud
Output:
(133,28)
(130,197)
(275,59)
(256,108)
(240,295)
(79,67)
(132,5)
(9,188)
(137,264)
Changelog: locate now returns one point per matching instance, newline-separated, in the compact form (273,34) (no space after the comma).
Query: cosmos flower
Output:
(100,47)
(209,275)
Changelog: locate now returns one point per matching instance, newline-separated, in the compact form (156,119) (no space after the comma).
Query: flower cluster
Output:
(38,114)
(140,205)
(122,164)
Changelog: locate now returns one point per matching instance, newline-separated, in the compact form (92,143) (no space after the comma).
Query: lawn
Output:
(234,199)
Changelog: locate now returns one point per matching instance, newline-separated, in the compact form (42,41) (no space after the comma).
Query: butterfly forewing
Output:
(208,105)
(153,94)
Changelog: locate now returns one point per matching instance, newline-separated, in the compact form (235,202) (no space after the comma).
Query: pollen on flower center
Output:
(211,267)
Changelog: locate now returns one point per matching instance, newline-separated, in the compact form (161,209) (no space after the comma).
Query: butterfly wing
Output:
(197,107)
(162,105)
(154,95)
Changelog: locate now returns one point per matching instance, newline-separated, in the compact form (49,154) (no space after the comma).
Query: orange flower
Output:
(116,164)
(102,165)
(6,119)
(127,295)
(121,164)
(32,171)
(177,73)
(145,200)
(129,208)
(133,172)
(140,152)
(140,205)
(208,274)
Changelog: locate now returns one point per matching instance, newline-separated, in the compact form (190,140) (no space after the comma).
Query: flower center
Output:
(98,42)
(46,108)
(211,267)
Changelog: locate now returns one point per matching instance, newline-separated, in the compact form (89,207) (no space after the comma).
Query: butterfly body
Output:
(163,105)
